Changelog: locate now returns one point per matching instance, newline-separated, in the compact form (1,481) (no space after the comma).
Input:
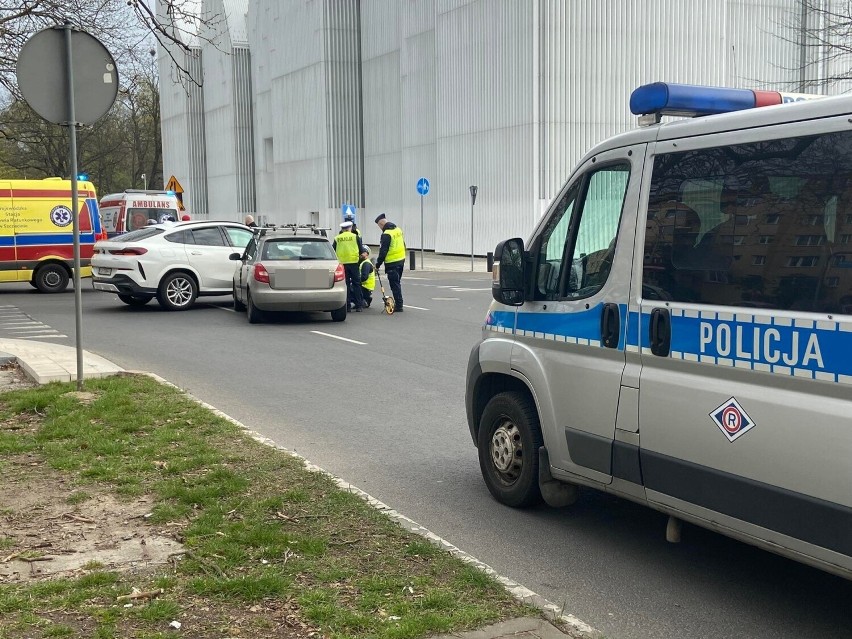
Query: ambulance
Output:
(677,330)
(36,231)
(131,210)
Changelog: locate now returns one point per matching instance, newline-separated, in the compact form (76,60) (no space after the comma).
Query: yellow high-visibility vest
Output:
(370,282)
(396,251)
(346,247)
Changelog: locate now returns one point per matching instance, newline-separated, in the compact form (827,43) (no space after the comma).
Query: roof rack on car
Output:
(313,228)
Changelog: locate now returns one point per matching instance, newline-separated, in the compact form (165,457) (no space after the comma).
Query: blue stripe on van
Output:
(7,240)
(803,348)
(35,239)
(580,325)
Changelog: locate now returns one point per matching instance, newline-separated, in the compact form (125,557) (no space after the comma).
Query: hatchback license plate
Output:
(104,271)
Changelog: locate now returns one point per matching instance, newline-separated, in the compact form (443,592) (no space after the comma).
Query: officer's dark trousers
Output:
(394,273)
(353,283)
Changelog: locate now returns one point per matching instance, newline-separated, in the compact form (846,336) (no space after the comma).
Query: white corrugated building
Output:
(310,104)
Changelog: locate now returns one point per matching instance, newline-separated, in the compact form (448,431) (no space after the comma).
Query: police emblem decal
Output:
(732,419)
(61,215)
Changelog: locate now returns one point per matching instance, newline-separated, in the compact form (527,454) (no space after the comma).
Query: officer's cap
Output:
(345,225)
(381,217)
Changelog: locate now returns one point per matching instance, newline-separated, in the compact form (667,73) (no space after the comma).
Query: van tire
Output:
(238,305)
(508,442)
(136,300)
(177,292)
(51,278)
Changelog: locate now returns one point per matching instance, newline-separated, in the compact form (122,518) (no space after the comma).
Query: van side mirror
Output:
(507,285)
(235,256)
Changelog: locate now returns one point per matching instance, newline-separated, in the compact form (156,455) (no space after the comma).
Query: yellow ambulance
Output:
(36,231)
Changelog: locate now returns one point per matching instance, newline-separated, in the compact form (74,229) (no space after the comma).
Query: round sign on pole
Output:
(423,186)
(349,211)
(42,76)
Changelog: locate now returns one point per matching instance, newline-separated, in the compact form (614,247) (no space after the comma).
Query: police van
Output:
(36,231)
(132,209)
(677,330)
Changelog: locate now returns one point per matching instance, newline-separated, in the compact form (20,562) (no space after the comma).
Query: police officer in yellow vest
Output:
(368,276)
(392,255)
(348,247)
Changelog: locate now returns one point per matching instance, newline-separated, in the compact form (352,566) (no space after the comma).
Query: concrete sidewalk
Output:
(46,362)
(432,261)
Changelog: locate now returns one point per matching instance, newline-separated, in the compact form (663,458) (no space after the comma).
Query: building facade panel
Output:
(354,101)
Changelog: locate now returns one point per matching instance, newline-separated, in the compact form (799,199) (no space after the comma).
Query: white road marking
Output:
(419,308)
(21,326)
(345,339)
(408,277)
(463,290)
(33,330)
(446,299)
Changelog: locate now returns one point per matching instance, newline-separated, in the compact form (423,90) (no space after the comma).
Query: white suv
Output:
(176,262)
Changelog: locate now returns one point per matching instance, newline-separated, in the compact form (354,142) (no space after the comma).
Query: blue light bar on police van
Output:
(664,98)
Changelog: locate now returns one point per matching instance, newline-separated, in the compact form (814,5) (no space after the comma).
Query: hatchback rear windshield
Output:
(139,234)
(297,249)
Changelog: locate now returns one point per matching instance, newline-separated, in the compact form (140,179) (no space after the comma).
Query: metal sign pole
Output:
(471,235)
(75,207)
(473,190)
(422,236)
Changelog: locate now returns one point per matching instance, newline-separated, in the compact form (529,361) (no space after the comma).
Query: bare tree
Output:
(823,31)
(126,27)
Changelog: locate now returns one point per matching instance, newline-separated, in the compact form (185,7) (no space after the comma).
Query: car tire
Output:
(339,314)
(136,300)
(508,441)
(238,305)
(51,278)
(254,314)
(177,292)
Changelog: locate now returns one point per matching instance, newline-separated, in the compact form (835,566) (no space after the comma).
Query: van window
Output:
(755,225)
(584,229)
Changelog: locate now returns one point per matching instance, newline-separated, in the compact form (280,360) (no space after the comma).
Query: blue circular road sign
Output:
(423,186)
(349,210)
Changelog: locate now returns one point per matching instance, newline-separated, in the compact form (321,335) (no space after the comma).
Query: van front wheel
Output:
(508,442)
(51,278)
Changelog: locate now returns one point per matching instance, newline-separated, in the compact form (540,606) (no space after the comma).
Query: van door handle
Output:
(610,325)
(660,332)
(196,253)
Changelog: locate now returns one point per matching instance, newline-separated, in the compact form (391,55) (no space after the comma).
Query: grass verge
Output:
(269,548)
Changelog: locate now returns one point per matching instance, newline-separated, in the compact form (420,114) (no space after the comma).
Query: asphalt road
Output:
(386,412)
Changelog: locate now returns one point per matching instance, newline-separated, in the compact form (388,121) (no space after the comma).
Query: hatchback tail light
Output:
(339,273)
(260,273)
(130,250)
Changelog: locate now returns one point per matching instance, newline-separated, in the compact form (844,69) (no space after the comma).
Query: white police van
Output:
(678,329)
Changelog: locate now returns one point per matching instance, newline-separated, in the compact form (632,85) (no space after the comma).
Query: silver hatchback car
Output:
(289,270)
